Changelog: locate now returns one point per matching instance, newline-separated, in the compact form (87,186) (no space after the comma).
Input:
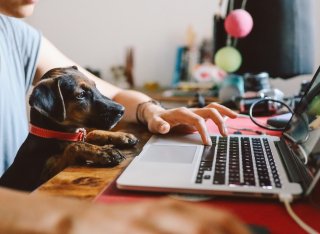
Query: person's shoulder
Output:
(4,21)
(4,18)
(17,29)
(12,24)
(7,20)
(9,24)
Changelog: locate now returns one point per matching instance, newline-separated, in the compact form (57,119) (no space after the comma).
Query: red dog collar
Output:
(80,135)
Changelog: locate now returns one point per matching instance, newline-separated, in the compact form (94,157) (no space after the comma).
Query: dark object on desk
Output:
(57,135)
(256,81)
(257,229)
(281,41)
(262,109)
(279,121)
(232,104)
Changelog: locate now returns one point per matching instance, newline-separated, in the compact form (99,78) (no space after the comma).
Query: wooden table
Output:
(87,182)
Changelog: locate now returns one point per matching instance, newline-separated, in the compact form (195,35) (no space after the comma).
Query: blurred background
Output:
(97,34)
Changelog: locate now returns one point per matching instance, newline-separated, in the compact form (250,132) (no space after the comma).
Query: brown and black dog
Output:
(64,101)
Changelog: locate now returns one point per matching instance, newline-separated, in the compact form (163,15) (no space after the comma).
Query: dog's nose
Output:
(118,110)
(121,110)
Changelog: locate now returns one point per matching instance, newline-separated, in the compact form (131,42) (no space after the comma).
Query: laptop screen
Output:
(304,127)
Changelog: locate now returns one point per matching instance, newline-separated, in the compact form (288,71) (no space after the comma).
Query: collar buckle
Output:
(83,134)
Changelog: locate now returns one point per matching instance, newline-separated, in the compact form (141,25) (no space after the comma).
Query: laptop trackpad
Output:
(169,154)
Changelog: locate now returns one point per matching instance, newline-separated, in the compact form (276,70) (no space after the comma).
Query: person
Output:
(25,55)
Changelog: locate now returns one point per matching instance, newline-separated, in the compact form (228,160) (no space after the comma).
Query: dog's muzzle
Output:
(110,114)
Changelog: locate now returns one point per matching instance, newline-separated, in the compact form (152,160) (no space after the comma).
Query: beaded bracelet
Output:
(139,110)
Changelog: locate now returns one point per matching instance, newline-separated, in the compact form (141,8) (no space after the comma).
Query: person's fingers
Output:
(213,114)
(186,116)
(158,125)
(166,120)
(223,110)
(182,115)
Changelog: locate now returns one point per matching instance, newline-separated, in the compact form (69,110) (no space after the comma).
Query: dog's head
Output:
(69,98)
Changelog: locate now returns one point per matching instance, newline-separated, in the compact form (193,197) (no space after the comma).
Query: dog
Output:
(62,103)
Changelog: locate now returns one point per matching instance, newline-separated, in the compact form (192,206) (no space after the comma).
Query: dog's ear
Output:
(47,98)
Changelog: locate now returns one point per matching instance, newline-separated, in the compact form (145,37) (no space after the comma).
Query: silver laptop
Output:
(263,166)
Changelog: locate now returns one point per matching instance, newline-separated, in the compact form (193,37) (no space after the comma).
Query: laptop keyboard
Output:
(238,161)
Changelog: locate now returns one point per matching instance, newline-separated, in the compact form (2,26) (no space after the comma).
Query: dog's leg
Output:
(82,152)
(119,139)
(98,155)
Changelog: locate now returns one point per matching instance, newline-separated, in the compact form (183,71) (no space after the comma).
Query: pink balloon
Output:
(238,23)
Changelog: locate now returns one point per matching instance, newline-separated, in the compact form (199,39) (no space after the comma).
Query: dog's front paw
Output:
(119,139)
(122,139)
(109,157)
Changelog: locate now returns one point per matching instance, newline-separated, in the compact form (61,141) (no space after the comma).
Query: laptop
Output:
(241,165)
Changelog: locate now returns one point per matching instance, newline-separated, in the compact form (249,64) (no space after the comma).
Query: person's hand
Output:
(162,121)
(157,216)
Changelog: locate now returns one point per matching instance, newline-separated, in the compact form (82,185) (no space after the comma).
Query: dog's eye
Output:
(81,95)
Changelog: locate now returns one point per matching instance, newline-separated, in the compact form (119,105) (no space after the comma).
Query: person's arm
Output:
(50,57)
(23,213)
(155,117)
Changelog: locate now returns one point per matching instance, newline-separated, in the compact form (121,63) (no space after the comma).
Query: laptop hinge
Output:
(296,170)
